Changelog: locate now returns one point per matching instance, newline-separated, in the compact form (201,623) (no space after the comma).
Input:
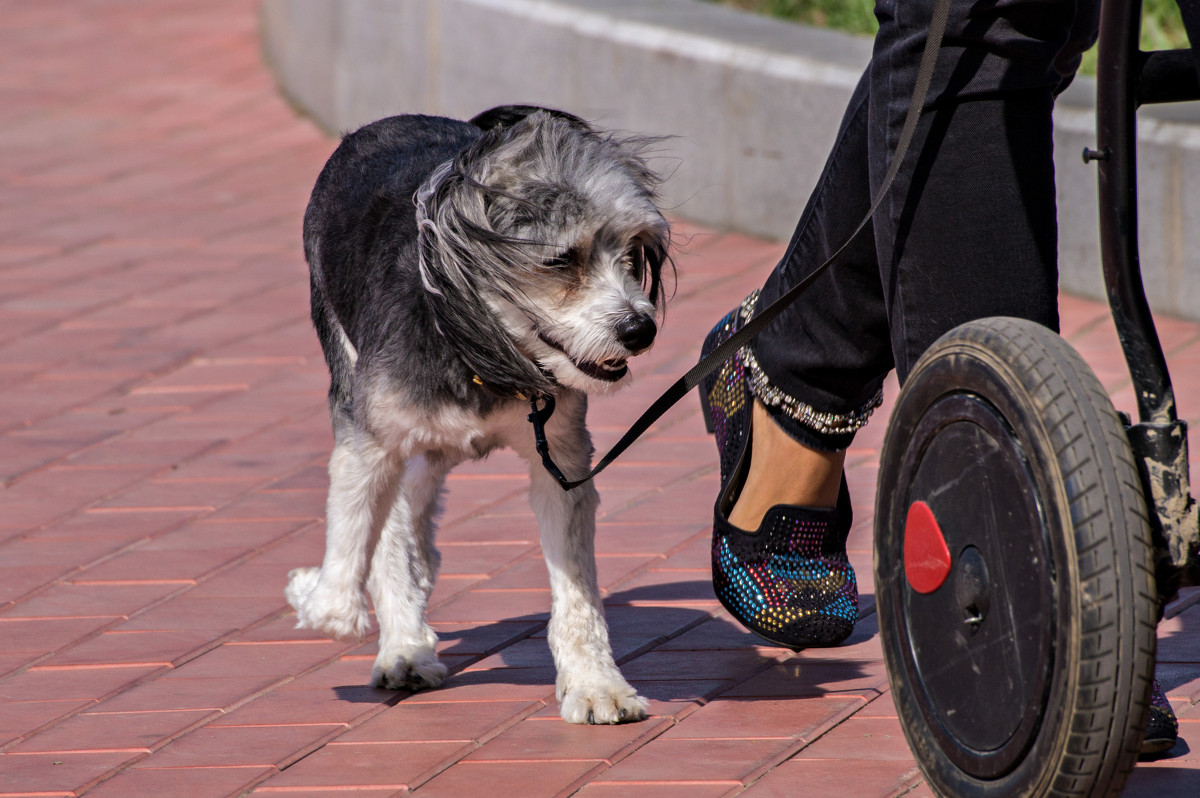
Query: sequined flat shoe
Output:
(1162,731)
(790,581)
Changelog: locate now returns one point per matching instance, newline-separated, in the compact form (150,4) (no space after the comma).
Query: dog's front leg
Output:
(363,479)
(590,688)
(403,573)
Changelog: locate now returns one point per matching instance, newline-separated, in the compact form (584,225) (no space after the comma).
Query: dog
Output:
(458,269)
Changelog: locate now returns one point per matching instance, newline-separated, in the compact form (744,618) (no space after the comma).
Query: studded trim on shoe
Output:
(806,414)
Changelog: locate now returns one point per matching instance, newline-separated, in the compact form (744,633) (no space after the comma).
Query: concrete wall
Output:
(752,105)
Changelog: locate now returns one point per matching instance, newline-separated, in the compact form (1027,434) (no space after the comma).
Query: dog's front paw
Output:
(605,702)
(317,607)
(421,671)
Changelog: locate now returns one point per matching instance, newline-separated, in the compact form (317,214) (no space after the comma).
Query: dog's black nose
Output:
(637,332)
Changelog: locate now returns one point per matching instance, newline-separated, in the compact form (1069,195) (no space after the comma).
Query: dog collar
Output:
(475,378)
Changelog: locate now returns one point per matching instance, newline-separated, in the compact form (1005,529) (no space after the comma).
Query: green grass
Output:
(1162,28)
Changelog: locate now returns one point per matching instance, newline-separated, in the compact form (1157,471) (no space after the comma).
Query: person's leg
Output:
(966,236)
(782,571)
(968,229)
(783,471)
(831,347)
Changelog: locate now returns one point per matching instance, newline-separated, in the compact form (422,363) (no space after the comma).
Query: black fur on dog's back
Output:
(360,239)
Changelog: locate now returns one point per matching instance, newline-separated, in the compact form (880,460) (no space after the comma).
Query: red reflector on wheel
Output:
(926,556)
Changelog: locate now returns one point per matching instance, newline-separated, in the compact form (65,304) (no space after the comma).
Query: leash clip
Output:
(538,419)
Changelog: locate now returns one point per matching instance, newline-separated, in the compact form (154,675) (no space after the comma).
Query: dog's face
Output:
(566,246)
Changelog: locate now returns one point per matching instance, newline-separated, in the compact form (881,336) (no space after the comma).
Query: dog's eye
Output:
(559,261)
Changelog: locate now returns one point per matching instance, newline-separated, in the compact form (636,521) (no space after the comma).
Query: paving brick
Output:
(301,702)
(17,581)
(59,772)
(44,635)
(321,792)
(699,760)
(131,648)
(1177,638)
(636,536)
(724,718)
(661,789)
(358,765)
(481,559)
(866,777)
(1173,776)
(113,731)
(78,599)
(52,684)
(143,562)
(244,746)
(530,653)
(38,550)
(691,588)
(163,694)
(219,534)
(549,739)
(509,779)
(218,615)
(22,717)
(796,677)
(861,738)
(477,722)
(481,605)
(179,781)
(715,634)
(514,684)
(464,639)
(727,665)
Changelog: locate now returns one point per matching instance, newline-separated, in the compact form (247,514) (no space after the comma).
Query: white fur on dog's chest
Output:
(453,430)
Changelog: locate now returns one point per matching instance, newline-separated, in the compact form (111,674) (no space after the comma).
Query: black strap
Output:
(694,376)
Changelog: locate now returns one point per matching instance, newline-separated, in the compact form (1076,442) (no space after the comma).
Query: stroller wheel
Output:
(1013,569)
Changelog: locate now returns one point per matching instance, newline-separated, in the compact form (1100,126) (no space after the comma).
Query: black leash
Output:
(697,373)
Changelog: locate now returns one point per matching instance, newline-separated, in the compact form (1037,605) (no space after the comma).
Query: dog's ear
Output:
(509,115)
(460,259)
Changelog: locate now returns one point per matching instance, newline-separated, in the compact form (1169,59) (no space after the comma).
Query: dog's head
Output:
(543,252)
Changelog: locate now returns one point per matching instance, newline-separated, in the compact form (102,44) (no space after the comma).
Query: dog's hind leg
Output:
(403,572)
(590,688)
(363,480)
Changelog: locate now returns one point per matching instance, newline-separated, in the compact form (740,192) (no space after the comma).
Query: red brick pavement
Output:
(163,443)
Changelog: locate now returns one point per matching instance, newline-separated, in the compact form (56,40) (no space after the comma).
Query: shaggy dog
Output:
(458,269)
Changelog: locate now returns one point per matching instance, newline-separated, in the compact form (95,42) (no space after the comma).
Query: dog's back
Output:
(361,216)
(360,232)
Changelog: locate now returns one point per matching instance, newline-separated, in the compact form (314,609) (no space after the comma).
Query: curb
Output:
(750,106)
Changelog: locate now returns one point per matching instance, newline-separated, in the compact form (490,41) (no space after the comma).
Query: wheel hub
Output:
(979,603)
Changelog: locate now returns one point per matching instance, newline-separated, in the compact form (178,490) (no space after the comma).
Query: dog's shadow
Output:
(669,651)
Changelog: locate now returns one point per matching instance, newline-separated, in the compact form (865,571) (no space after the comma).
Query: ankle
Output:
(783,471)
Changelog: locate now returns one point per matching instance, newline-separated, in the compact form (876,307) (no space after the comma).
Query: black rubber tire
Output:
(1084,720)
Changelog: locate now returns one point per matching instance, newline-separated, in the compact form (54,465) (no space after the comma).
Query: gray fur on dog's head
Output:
(535,244)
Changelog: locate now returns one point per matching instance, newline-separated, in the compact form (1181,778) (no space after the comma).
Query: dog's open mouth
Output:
(607,370)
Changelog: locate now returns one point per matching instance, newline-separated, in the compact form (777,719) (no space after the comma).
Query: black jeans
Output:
(968,228)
